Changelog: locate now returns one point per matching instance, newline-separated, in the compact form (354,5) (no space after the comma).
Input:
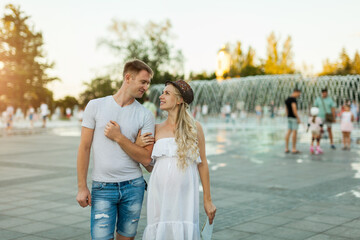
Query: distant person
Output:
(150,106)
(326,112)
(354,108)
(205,111)
(346,126)
(293,120)
(80,114)
(68,112)
(258,111)
(227,112)
(272,109)
(44,111)
(316,127)
(118,185)
(31,112)
(9,117)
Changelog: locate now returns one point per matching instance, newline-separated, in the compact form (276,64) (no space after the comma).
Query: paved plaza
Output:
(260,192)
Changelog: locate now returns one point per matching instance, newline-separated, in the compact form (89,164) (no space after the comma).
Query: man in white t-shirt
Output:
(118,185)
(44,110)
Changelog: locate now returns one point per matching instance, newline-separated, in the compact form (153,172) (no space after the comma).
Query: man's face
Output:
(139,83)
(297,94)
(324,94)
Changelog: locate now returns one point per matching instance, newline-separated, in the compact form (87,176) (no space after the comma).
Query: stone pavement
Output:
(260,192)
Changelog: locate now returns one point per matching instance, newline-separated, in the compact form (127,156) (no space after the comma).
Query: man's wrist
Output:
(82,187)
(119,138)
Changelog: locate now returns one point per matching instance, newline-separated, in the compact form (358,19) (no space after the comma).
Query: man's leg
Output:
(104,199)
(129,209)
(331,137)
(287,137)
(294,132)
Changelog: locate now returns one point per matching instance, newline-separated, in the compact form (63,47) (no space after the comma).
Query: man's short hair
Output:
(136,66)
(324,90)
(297,90)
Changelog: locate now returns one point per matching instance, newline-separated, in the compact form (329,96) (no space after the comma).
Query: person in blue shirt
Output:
(326,105)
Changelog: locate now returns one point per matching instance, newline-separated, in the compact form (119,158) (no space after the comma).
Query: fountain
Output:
(261,90)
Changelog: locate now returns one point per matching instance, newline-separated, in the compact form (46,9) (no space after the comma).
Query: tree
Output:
(150,43)
(279,62)
(356,64)
(66,102)
(343,66)
(243,65)
(98,87)
(202,76)
(24,74)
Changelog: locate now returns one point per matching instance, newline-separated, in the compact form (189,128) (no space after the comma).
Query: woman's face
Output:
(168,99)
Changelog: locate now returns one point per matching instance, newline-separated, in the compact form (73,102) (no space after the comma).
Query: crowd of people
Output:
(31,115)
(323,115)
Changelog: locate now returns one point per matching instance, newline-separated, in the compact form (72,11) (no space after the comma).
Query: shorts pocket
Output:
(97,185)
(138,182)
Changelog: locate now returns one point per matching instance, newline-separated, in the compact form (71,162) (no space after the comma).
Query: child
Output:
(316,127)
(346,126)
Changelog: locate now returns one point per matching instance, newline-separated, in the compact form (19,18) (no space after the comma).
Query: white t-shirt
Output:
(111,163)
(315,126)
(44,109)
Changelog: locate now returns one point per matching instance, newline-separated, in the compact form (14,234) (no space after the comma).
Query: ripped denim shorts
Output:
(120,201)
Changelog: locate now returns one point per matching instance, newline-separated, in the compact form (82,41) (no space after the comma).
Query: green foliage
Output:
(66,102)
(24,76)
(202,76)
(150,43)
(98,87)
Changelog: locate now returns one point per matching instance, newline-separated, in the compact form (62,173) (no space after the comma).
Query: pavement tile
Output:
(334,220)
(309,226)
(294,214)
(34,227)
(13,221)
(62,233)
(346,232)
(229,234)
(274,220)
(289,233)
(251,227)
(7,234)
(326,237)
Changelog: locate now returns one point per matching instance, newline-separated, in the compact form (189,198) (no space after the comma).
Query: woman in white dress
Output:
(178,158)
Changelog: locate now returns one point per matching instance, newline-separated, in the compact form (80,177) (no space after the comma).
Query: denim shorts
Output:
(116,204)
(293,124)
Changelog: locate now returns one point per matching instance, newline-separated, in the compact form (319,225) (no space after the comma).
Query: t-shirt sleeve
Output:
(316,103)
(89,115)
(149,123)
(333,105)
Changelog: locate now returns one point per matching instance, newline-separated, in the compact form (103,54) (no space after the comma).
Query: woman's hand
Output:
(210,210)
(145,139)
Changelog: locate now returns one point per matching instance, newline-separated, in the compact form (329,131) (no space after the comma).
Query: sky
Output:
(73,28)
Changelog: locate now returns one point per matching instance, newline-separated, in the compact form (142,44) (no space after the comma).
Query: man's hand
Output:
(112,130)
(298,121)
(84,197)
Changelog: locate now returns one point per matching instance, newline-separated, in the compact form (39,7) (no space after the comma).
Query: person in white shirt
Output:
(44,110)
(346,126)
(315,125)
(110,126)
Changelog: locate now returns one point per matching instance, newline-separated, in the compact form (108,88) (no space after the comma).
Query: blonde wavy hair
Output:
(185,135)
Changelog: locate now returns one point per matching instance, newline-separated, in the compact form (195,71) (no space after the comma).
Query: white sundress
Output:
(173,196)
